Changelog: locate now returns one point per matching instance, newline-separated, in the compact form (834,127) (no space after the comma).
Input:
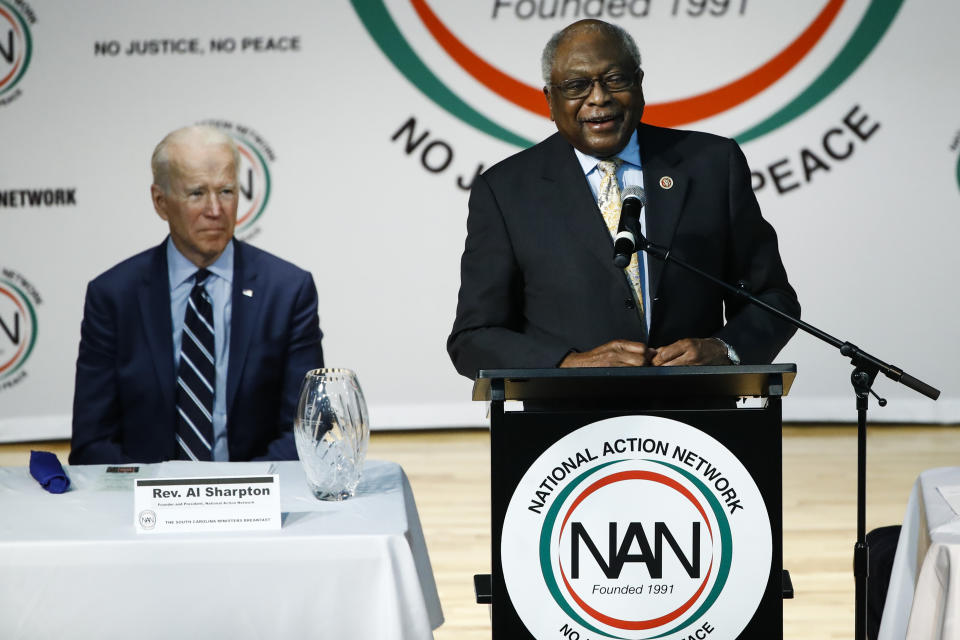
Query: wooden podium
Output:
(558,402)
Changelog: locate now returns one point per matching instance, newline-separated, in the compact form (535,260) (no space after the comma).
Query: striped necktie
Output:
(608,199)
(196,376)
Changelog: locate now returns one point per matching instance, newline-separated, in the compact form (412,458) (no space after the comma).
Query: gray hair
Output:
(549,56)
(206,134)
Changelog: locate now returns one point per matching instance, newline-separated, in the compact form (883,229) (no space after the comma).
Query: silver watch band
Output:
(731,353)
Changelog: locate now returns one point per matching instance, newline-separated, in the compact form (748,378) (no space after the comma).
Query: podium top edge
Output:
(729,380)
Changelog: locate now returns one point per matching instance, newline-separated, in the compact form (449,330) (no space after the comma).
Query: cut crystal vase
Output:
(332,432)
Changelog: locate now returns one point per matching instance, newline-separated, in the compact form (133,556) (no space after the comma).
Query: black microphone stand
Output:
(865,370)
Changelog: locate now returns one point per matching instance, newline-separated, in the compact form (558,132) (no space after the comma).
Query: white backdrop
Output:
(318,93)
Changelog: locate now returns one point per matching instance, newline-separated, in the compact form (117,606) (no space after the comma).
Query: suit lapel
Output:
(665,183)
(154,300)
(571,200)
(245,310)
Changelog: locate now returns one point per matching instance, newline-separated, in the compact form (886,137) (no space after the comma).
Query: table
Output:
(72,566)
(923,599)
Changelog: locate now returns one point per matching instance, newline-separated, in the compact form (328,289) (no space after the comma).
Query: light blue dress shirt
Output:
(630,173)
(219,286)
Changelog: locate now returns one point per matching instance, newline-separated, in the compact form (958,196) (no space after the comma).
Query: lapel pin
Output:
(666,182)
(248,292)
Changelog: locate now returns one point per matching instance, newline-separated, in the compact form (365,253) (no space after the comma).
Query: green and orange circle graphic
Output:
(255,186)
(18,328)
(652,542)
(682,615)
(16,47)
(877,18)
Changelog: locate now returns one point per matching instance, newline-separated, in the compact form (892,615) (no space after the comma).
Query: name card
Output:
(229,503)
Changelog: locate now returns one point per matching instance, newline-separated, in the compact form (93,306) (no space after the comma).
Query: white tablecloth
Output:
(72,566)
(923,600)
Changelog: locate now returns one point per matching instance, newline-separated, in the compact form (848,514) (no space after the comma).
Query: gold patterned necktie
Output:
(608,199)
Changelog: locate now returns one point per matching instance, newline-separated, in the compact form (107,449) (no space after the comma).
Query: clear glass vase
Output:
(332,432)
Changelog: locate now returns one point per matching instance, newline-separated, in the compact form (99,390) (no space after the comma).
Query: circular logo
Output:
(148,519)
(636,527)
(16,47)
(254,184)
(253,175)
(18,327)
(458,60)
(666,182)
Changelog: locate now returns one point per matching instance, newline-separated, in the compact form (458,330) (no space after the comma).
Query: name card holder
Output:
(227,503)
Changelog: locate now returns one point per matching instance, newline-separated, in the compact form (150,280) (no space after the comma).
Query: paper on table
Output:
(120,477)
(951,493)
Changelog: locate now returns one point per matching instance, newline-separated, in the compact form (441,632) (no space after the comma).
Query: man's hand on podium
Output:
(691,351)
(616,353)
(626,353)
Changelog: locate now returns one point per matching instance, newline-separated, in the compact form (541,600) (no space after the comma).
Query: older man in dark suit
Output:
(538,284)
(194,349)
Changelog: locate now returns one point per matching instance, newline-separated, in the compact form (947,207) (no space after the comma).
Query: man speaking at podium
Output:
(538,285)
(195,349)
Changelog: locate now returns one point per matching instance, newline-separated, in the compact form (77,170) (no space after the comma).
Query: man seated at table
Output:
(194,349)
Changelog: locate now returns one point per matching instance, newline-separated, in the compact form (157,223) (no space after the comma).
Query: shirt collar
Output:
(181,270)
(630,154)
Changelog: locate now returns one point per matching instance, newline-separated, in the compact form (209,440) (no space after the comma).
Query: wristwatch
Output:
(731,354)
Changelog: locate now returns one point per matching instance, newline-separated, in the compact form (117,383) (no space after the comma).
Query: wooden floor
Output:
(449,472)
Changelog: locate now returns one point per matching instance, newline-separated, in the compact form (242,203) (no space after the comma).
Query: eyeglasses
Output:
(611,83)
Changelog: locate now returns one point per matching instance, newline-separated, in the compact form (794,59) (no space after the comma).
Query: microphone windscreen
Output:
(634,192)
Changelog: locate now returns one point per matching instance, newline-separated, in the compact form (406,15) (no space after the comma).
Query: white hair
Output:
(205,134)
(549,56)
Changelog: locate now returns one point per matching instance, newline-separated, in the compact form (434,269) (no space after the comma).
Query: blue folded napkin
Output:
(48,471)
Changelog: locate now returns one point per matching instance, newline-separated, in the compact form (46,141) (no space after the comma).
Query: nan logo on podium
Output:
(636,527)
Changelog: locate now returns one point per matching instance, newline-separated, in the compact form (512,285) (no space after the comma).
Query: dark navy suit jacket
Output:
(125,394)
(537,278)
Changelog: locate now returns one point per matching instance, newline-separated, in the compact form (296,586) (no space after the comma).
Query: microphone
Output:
(633,200)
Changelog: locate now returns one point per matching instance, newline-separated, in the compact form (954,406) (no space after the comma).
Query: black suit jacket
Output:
(537,274)
(125,394)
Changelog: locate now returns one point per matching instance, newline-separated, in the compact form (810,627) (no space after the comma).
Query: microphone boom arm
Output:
(859,358)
